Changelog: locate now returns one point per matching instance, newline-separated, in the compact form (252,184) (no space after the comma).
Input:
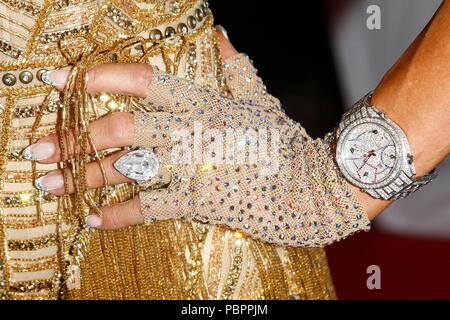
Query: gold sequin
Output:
(167,260)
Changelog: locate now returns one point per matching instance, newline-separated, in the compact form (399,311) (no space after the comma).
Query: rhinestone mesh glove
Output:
(212,168)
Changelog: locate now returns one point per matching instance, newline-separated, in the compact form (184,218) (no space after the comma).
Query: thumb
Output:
(226,48)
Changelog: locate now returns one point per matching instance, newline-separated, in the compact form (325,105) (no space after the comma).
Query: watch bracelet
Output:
(403,185)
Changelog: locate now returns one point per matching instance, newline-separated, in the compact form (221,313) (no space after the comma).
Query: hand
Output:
(112,131)
(270,198)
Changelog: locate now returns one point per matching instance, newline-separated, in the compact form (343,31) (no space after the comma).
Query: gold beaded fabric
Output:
(46,250)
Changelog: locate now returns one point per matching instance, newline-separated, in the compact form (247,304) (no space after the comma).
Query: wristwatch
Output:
(372,153)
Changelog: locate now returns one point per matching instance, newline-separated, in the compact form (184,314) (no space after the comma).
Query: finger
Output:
(153,129)
(172,94)
(118,216)
(162,204)
(227,50)
(240,74)
(244,83)
(53,181)
(130,79)
(99,172)
(114,130)
(149,206)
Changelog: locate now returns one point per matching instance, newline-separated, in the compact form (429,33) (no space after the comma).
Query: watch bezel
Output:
(401,147)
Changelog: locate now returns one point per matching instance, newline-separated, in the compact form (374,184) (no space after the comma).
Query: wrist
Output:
(423,126)
(415,94)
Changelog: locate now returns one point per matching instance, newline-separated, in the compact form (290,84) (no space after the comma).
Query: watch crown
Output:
(410,158)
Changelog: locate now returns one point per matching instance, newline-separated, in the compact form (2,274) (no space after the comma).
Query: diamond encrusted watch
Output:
(372,153)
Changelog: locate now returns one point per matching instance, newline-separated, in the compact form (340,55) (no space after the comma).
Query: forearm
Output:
(415,93)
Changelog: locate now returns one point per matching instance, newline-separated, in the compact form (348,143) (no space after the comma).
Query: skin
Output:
(415,93)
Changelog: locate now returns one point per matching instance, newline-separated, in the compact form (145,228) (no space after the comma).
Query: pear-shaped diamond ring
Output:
(140,165)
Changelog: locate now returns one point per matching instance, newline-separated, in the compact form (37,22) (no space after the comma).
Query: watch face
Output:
(368,153)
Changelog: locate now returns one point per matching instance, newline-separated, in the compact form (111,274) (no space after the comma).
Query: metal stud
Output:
(155,34)
(9,79)
(40,73)
(199,14)
(204,11)
(170,32)
(26,77)
(182,28)
(191,22)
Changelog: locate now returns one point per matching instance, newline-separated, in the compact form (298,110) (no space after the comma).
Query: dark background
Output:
(289,42)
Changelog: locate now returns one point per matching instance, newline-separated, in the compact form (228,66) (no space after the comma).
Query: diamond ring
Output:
(139,165)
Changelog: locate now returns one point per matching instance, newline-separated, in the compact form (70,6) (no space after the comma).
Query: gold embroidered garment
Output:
(46,251)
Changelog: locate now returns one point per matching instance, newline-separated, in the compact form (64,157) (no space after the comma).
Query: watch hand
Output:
(360,148)
(366,158)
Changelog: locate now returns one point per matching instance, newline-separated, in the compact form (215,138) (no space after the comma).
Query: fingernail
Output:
(56,78)
(49,182)
(93,221)
(223,31)
(39,151)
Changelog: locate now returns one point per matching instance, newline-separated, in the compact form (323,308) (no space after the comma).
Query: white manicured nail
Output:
(56,78)
(94,221)
(39,151)
(49,182)
(223,31)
